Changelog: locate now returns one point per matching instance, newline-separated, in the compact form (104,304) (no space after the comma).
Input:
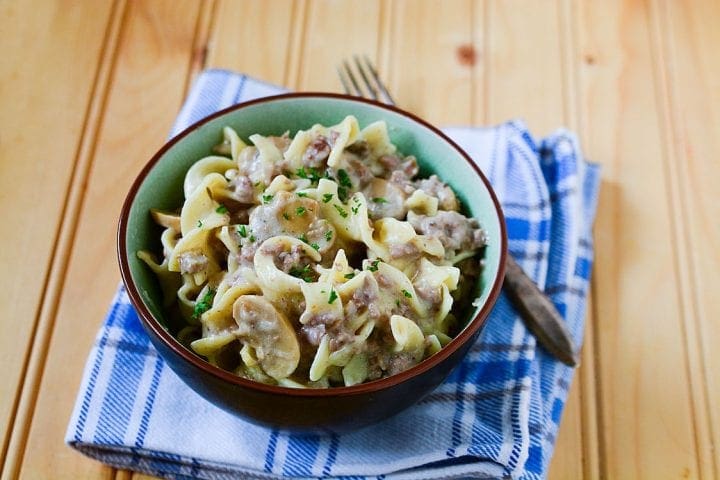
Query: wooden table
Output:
(89,91)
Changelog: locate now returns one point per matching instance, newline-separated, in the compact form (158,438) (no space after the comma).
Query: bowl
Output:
(338,409)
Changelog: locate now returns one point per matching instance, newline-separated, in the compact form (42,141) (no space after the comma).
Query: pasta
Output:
(318,260)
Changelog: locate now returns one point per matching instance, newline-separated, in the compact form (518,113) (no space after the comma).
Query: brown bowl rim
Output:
(364,388)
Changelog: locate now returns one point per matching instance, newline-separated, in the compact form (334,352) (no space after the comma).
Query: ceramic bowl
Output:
(159,185)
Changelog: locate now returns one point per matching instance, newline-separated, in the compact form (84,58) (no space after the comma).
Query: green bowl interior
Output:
(162,187)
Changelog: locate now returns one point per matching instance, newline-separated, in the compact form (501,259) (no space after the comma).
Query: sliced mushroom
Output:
(286,213)
(385,199)
(166,219)
(270,334)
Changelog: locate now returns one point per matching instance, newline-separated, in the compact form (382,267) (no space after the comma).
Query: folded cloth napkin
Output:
(496,416)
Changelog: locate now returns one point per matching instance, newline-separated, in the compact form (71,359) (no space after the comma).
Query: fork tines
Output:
(361,79)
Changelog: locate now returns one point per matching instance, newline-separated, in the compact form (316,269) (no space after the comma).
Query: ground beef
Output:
(358,171)
(389,164)
(285,261)
(401,361)
(455,231)
(192,262)
(247,253)
(401,181)
(242,188)
(435,187)
(327,324)
(363,299)
(359,148)
(403,250)
(383,361)
(429,293)
(317,153)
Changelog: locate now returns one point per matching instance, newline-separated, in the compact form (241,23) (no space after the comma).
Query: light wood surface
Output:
(89,91)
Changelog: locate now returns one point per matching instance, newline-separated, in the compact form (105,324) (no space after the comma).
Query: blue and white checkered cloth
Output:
(496,416)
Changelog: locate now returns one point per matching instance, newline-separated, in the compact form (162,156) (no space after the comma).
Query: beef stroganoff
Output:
(318,260)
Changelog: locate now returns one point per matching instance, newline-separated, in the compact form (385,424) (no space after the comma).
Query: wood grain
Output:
(36,159)
(89,93)
(647,418)
(252,37)
(152,65)
(578,449)
(515,68)
(689,77)
(221,50)
(525,56)
(426,74)
(321,54)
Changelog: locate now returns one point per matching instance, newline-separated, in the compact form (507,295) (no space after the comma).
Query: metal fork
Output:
(536,309)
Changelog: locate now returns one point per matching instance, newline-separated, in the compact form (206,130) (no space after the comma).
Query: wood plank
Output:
(232,48)
(592,453)
(577,452)
(689,66)
(278,22)
(44,105)
(429,73)
(251,37)
(147,88)
(645,408)
(203,30)
(328,40)
(567,457)
(520,83)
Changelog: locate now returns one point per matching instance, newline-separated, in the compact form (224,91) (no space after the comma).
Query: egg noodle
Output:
(315,261)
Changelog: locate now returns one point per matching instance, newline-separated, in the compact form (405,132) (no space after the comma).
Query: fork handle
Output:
(539,314)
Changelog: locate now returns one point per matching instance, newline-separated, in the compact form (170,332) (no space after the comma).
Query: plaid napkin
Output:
(496,416)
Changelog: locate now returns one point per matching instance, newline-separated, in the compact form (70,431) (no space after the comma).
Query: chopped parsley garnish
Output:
(304,238)
(355,209)
(379,200)
(340,210)
(315,246)
(221,209)
(286,216)
(397,303)
(300,211)
(267,198)
(199,224)
(327,197)
(304,273)
(344,178)
(349,275)
(252,237)
(333,296)
(242,231)
(301,194)
(328,235)
(374,265)
(310,174)
(204,304)
(342,193)
(407,294)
